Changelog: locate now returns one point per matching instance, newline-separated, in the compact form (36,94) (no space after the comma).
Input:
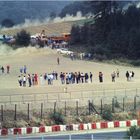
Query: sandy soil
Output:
(43,60)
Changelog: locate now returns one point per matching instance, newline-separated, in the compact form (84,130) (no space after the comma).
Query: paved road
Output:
(85,135)
(101,136)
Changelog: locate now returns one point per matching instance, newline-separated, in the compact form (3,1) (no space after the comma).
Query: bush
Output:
(135,62)
(7,23)
(57,118)
(107,114)
(23,38)
(134,131)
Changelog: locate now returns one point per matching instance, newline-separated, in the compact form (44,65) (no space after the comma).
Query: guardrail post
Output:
(135,103)
(112,105)
(89,106)
(10,99)
(101,106)
(23,98)
(15,117)
(28,111)
(1,112)
(41,110)
(123,103)
(77,108)
(65,108)
(54,107)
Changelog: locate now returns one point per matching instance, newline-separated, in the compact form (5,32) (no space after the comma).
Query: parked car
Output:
(64,51)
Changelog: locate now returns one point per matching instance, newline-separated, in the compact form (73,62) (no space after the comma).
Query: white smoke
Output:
(47,20)
(6,50)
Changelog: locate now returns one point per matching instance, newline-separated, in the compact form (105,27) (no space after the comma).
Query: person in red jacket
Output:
(8,69)
(36,79)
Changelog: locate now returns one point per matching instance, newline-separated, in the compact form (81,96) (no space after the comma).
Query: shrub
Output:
(7,23)
(135,62)
(57,118)
(107,114)
(134,131)
(23,38)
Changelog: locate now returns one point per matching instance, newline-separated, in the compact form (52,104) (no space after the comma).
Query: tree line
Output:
(112,33)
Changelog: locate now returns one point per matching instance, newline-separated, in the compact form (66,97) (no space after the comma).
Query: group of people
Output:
(75,77)
(35,79)
(5,69)
(129,75)
(65,77)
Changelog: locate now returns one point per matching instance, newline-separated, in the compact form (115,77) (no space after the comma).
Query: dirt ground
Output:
(44,60)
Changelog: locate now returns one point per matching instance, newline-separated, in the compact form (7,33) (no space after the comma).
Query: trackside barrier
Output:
(81,126)
(48,128)
(98,126)
(110,124)
(29,130)
(69,127)
(89,126)
(42,129)
(134,123)
(93,126)
(128,123)
(35,130)
(122,123)
(4,132)
(86,126)
(104,125)
(138,122)
(117,124)
(62,127)
(55,128)
(23,131)
(75,127)
(11,131)
(15,131)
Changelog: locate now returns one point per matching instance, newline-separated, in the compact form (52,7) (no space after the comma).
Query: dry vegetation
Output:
(50,29)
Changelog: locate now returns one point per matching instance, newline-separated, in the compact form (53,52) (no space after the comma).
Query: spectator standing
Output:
(58,61)
(2,69)
(90,77)
(127,75)
(8,69)
(113,75)
(100,77)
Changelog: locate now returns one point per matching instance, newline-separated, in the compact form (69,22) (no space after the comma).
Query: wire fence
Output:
(70,103)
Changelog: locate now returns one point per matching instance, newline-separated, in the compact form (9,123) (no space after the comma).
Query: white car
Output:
(64,51)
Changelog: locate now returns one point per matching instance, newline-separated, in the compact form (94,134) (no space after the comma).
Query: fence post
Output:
(28,111)
(34,98)
(23,98)
(41,110)
(89,106)
(123,103)
(15,117)
(65,108)
(54,107)
(135,103)
(1,112)
(101,106)
(77,108)
(10,99)
(112,105)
